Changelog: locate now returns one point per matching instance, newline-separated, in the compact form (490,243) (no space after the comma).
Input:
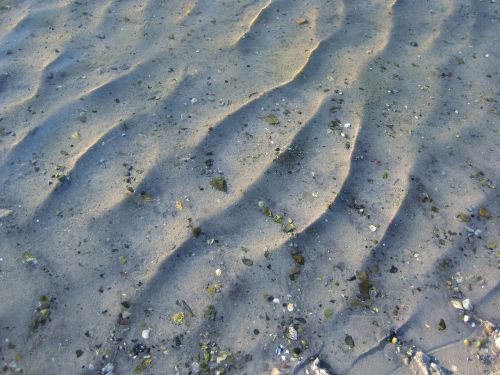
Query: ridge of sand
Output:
(371,125)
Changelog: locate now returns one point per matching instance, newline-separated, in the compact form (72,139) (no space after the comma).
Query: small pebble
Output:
(489,328)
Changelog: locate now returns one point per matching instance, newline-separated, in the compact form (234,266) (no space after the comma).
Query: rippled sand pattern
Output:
(115,115)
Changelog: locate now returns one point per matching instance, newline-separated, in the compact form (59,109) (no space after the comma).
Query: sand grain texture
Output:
(372,125)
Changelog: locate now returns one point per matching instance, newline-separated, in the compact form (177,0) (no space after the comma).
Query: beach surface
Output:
(249,187)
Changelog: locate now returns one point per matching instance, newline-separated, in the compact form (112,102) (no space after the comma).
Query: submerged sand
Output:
(243,186)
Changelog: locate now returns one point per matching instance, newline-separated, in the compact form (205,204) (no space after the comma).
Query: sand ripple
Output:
(116,115)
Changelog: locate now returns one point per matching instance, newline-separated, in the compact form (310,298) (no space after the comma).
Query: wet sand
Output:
(197,186)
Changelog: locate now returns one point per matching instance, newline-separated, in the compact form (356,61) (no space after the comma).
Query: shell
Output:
(456,303)
(291,333)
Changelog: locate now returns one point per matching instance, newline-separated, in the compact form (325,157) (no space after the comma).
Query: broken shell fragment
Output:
(456,303)
(291,333)
(108,369)
(467,304)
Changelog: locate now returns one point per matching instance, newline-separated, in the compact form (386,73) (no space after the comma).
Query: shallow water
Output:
(358,141)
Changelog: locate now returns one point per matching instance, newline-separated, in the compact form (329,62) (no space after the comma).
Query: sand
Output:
(354,146)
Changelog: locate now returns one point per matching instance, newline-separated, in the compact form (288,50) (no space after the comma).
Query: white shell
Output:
(145,333)
(467,304)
